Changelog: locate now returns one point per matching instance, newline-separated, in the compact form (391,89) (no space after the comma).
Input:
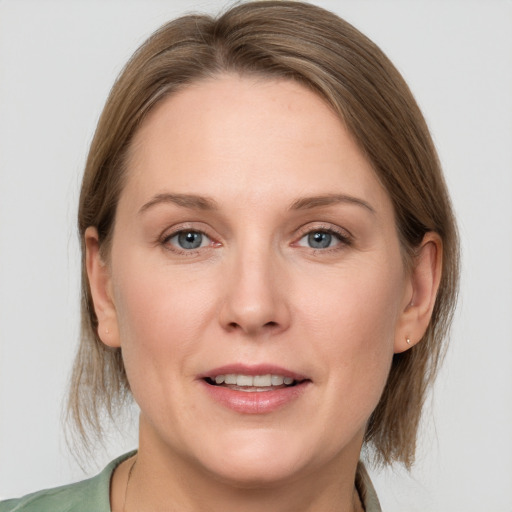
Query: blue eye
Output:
(189,240)
(321,239)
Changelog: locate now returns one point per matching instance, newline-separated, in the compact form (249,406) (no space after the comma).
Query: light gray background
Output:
(58,60)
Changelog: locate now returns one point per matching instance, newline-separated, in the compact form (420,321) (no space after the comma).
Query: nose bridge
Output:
(254,301)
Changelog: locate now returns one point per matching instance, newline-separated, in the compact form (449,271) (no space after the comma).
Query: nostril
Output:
(268,325)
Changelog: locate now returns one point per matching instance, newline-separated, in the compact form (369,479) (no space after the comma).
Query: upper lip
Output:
(253,369)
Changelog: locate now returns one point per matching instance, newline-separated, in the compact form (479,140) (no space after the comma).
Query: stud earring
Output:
(408,341)
(106,331)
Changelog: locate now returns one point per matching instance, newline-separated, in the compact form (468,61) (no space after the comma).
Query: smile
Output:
(254,389)
(252,383)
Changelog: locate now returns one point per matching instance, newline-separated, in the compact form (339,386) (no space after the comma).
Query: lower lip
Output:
(255,402)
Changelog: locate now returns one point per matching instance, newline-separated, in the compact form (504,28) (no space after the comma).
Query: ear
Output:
(100,283)
(421,291)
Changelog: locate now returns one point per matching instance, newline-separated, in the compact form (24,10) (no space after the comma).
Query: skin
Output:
(254,292)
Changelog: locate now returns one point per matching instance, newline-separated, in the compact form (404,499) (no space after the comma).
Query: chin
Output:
(261,461)
(259,475)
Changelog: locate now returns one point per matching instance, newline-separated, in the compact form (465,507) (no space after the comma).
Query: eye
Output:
(319,239)
(322,239)
(188,240)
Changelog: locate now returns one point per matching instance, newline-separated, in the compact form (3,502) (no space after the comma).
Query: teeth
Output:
(230,378)
(244,380)
(260,381)
(277,380)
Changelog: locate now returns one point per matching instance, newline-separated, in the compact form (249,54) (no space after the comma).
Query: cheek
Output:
(155,299)
(162,316)
(354,325)
(358,305)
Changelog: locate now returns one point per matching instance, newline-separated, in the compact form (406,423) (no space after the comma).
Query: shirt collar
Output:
(366,491)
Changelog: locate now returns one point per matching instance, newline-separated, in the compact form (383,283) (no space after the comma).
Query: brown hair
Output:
(305,43)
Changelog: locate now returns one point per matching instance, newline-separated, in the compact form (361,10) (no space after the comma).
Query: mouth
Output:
(253,383)
(254,389)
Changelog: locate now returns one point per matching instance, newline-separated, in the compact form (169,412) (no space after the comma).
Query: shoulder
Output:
(91,495)
(78,497)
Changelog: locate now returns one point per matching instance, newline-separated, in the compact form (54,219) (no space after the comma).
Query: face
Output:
(256,280)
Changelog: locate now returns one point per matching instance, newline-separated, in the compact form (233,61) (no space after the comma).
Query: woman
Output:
(269,268)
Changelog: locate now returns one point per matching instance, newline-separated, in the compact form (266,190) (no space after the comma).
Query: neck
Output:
(166,481)
(149,494)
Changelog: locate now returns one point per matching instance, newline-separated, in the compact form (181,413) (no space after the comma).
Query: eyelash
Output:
(344,239)
(167,237)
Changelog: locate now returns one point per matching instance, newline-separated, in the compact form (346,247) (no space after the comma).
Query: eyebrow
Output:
(208,204)
(306,203)
(184,200)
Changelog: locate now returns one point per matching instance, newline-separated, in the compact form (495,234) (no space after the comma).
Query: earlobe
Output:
(424,279)
(99,277)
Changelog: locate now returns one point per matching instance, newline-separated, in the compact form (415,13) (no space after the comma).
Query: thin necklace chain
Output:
(128,482)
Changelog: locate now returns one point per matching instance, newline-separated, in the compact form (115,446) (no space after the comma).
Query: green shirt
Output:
(93,494)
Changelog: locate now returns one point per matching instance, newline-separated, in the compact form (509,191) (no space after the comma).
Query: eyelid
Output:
(343,235)
(204,239)
(173,231)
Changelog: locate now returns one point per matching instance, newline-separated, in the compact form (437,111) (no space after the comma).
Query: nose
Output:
(255,299)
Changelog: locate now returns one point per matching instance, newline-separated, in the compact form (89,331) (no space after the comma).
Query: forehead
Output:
(242,138)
